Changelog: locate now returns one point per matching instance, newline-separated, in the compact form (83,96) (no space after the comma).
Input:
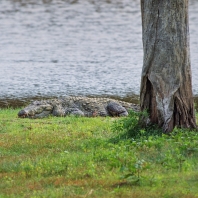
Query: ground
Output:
(88,157)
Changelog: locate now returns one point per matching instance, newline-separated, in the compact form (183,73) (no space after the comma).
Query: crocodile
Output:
(79,106)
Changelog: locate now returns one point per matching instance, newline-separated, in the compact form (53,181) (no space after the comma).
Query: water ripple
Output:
(71,47)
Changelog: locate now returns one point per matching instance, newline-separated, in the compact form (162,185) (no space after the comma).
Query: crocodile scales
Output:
(80,106)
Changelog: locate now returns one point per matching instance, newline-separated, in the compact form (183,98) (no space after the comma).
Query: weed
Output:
(130,127)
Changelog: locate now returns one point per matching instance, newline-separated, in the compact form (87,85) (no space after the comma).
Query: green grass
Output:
(89,157)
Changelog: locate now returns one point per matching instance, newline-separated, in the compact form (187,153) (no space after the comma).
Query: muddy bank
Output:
(21,102)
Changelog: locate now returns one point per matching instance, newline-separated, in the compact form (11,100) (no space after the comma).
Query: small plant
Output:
(130,127)
(133,171)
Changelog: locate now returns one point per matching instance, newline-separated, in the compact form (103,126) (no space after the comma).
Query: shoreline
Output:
(24,101)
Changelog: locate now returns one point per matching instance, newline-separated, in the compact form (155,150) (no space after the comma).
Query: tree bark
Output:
(166,88)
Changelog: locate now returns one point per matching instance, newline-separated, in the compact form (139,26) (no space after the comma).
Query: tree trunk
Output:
(166,88)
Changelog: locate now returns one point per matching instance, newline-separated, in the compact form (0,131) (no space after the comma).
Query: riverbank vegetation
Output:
(94,157)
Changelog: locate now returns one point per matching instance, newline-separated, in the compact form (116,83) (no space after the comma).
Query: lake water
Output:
(75,47)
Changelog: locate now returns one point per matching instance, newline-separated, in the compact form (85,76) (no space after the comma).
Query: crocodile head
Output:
(115,109)
(37,109)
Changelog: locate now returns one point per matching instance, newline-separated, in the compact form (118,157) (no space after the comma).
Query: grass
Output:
(89,157)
